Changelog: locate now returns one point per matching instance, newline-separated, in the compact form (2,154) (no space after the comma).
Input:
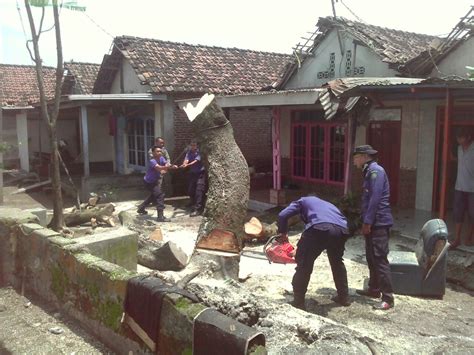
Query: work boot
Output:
(161,217)
(142,211)
(369,293)
(342,300)
(298,301)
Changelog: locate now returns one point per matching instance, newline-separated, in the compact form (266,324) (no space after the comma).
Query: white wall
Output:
(307,75)
(455,63)
(131,83)
(100,142)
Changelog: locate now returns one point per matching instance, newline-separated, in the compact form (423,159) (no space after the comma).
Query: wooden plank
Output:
(220,239)
(140,332)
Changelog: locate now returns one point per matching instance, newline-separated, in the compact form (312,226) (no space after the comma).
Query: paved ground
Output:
(29,326)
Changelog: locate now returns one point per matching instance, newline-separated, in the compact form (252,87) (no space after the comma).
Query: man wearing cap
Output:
(376,222)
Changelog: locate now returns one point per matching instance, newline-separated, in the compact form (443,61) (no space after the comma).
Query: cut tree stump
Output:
(101,213)
(160,255)
(220,239)
(255,229)
(227,169)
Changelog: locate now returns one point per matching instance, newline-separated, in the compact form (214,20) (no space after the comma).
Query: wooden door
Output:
(385,137)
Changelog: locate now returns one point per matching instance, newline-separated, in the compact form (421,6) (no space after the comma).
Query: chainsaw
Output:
(279,250)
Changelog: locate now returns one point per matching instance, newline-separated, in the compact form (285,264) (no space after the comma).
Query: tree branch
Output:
(29,50)
(60,64)
(41,23)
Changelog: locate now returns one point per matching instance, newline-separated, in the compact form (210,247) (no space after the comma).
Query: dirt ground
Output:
(260,299)
(31,326)
(415,325)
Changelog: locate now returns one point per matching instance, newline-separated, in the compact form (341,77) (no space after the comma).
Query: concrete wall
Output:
(11,158)
(455,63)
(426,155)
(307,75)
(101,144)
(131,84)
(87,287)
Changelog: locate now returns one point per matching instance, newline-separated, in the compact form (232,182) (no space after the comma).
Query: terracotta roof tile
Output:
(80,77)
(18,84)
(181,67)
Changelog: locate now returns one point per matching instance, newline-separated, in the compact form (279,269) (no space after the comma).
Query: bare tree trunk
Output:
(227,169)
(50,118)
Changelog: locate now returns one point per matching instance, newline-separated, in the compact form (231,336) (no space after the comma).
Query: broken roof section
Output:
(80,77)
(180,67)
(18,84)
(423,64)
(393,46)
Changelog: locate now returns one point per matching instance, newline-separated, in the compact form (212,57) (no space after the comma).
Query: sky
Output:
(264,25)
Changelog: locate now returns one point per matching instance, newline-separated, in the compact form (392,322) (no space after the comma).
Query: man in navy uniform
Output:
(156,166)
(376,222)
(325,229)
(197,179)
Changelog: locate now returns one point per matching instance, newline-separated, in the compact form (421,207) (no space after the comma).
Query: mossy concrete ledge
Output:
(87,287)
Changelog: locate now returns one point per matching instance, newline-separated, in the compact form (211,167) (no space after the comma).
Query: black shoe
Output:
(383,306)
(161,217)
(142,211)
(298,304)
(343,301)
(195,213)
(369,293)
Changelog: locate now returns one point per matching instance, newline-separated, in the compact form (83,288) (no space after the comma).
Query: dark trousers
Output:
(311,244)
(156,195)
(197,185)
(376,252)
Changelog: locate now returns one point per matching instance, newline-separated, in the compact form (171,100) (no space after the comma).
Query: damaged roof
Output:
(80,77)
(18,84)
(180,67)
(393,46)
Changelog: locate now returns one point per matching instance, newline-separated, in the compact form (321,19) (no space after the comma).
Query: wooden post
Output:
(445,157)
(276,148)
(350,146)
(85,140)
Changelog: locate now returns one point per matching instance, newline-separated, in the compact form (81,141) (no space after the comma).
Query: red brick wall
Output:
(253,134)
(407,188)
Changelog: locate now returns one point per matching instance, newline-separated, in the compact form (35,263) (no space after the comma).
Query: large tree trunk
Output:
(227,169)
(160,255)
(100,212)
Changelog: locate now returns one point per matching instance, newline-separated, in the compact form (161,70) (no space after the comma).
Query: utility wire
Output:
(352,12)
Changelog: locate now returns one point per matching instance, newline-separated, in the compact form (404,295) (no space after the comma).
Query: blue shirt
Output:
(192,156)
(312,211)
(152,175)
(376,196)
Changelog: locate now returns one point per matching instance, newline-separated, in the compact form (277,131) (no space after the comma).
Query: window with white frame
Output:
(140,136)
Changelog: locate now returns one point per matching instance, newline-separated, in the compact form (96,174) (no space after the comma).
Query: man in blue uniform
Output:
(197,179)
(325,229)
(156,166)
(376,222)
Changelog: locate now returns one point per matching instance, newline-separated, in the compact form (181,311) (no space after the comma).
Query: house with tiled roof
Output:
(23,130)
(161,72)
(352,83)
(18,93)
